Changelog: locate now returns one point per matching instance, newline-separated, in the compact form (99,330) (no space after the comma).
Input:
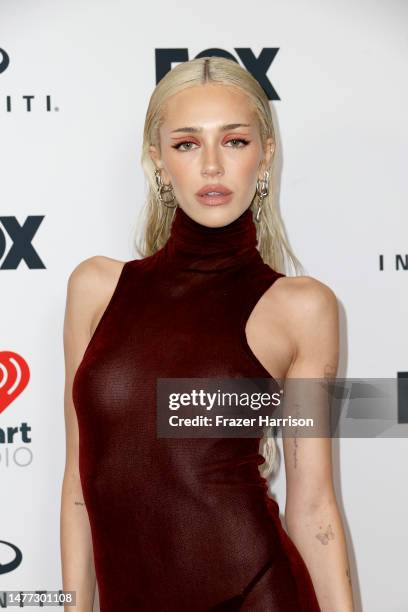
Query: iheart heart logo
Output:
(14,377)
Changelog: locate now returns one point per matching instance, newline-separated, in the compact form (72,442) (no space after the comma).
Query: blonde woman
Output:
(186,525)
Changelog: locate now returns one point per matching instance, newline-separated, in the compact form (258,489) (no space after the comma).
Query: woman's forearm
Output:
(319,537)
(78,570)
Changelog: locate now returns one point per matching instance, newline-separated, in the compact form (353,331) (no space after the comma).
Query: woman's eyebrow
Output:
(228,126)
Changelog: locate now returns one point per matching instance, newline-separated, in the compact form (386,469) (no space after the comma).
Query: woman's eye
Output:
(243,141)
(182,144)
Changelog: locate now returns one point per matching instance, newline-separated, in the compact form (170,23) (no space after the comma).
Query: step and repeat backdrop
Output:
(75,80)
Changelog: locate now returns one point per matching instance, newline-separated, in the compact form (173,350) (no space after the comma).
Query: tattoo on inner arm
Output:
(325,536)
(79,503)
(295,441)
(348,576)
(295,445)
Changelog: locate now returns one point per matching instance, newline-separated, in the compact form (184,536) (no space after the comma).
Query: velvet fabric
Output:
(181,525)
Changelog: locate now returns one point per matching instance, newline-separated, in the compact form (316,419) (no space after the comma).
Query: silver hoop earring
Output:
(162,188)
(262,190)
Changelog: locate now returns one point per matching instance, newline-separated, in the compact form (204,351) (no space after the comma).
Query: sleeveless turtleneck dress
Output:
(181,525)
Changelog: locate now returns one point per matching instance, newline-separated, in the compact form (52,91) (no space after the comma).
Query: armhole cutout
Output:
(253,301)
(108,306)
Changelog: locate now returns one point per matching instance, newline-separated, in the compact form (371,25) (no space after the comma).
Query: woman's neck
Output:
(194,246)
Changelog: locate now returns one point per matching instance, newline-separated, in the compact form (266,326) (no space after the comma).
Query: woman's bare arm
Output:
(311,514)
(89,289)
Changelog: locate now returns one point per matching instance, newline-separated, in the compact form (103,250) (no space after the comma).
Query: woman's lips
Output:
(214,200)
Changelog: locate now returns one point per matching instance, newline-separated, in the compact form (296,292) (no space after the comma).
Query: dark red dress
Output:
(181,525)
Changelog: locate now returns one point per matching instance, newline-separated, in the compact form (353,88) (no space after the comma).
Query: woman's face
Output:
(210,136)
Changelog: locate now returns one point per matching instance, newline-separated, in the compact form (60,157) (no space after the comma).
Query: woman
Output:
(185,525)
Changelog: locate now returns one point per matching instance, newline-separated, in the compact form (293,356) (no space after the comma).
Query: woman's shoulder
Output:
(92,283)
(301,299)
(96,275)
(96,269)
(305,289)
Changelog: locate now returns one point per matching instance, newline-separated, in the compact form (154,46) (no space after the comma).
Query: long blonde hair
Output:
(157,219)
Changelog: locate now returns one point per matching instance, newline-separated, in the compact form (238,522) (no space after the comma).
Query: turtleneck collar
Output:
(194,246)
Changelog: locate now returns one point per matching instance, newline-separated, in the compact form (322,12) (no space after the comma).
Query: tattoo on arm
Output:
(348,575)
(295,445)
(295,441)
(325,536)
(79,503)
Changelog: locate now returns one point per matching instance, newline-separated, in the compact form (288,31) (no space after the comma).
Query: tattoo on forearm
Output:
(348,576)
(325,536)
(295,445)
(295,441)
(79,503)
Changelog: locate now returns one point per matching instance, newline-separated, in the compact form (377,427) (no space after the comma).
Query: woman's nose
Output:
(211,163)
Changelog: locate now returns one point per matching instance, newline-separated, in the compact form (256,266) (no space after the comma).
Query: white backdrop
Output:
(340,73)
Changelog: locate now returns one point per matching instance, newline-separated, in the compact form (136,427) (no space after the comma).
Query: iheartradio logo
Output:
(14,377)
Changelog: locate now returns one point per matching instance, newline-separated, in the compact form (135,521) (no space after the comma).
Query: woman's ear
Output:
(158,162)
(154,154)
(269,151)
